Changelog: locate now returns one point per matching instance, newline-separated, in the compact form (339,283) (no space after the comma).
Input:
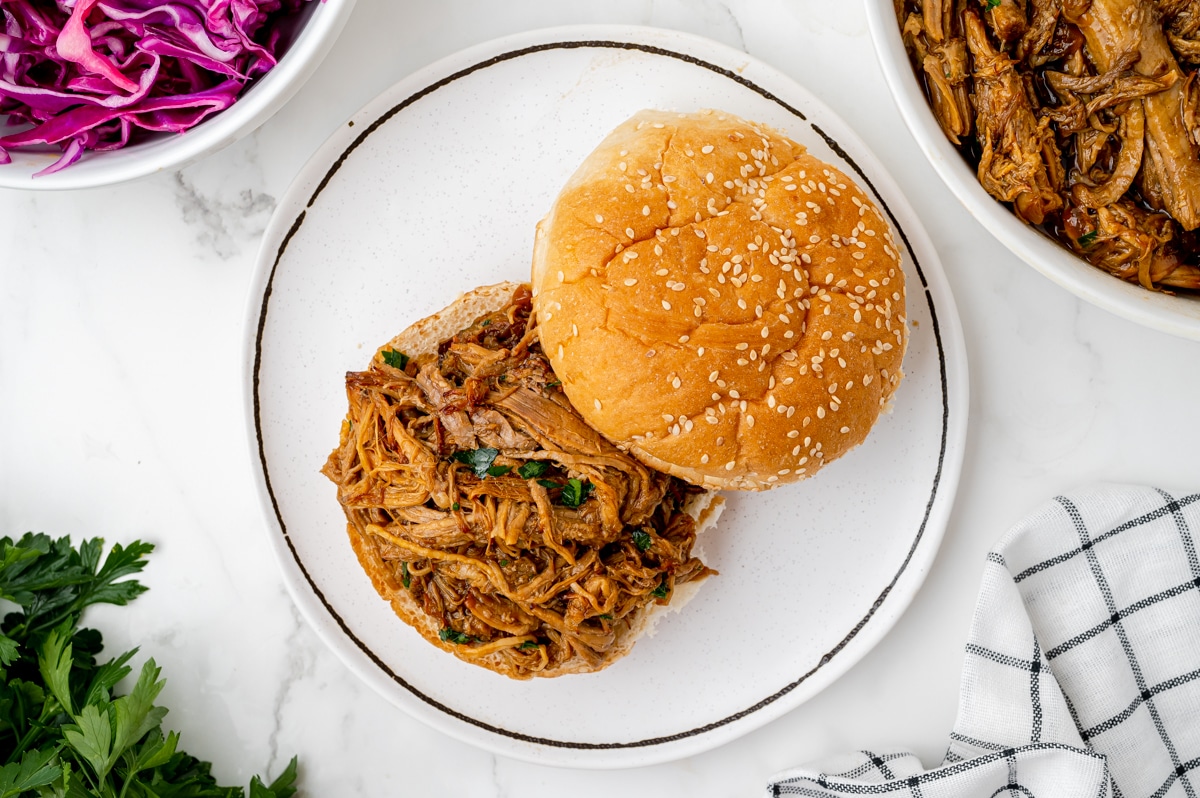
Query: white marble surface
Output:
(120,415)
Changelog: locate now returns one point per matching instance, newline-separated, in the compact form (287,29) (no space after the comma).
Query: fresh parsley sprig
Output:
(64,731)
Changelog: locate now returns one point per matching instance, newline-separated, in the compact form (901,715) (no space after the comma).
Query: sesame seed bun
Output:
(719,302)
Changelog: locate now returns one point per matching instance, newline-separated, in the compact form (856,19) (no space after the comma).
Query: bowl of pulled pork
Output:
(1070,129)
(97,92)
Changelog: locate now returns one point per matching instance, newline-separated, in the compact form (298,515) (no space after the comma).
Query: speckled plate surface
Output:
(434,188)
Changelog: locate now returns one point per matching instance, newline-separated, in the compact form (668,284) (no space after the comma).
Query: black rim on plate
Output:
(333,613)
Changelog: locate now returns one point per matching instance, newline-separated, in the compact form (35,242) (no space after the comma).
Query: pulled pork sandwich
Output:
(751,294)
(1082,115)
(494,520)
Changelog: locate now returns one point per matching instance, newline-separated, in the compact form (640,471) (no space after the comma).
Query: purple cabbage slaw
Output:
(96,74)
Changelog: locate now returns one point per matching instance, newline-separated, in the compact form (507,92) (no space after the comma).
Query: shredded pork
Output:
(1083,115)
(510,521)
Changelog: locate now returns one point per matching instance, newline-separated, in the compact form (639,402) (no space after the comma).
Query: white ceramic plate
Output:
(1177,315)
(435,188)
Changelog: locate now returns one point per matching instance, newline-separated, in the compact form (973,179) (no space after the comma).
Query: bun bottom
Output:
(424,337)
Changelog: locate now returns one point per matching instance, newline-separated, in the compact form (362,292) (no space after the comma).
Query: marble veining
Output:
(121,315)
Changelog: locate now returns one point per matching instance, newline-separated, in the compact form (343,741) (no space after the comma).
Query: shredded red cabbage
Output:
(97,74)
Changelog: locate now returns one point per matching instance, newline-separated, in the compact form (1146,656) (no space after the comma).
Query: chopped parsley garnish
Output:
(449,635)
(642,539)
(661,591)
(534,468)
(605,617)
(406,576)
(498,471)
(1087,239)
(549,484)
(397,360)
(528,644)
(480,460)
(486,322)
(575,492)
(993,3)
(504,563)
(554,384)
(456,506)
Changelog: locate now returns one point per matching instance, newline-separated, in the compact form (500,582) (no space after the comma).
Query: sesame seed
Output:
(729,466)
(845,430)
(560,276)
(704,459)
(733,394)
(683,339)
(765,332)
(666,305)
(596,402)
(749,421)
(820,411)
(599,219)
(630,281)
(706,149)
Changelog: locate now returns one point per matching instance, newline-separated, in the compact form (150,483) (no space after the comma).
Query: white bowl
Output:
(315,30)
(1177,315)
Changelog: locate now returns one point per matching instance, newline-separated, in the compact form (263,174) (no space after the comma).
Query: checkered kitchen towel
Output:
(1082,675)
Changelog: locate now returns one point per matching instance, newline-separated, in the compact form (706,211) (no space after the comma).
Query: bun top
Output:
(719,302)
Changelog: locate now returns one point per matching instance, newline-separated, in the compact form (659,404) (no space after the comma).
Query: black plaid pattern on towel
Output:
(1082,669)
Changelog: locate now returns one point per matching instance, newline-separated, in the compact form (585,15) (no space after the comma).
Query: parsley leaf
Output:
(532,468)
(993,3)
(397,360)
(661,591)
(35,769)
(405,576)
(480,460)
(1087,239)
(454,636)
(642,539)
(498,471)
(528,644)
(549,484)
(575,492)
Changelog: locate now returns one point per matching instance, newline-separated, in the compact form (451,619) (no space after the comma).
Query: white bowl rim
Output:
(266,96)
(1176,315)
